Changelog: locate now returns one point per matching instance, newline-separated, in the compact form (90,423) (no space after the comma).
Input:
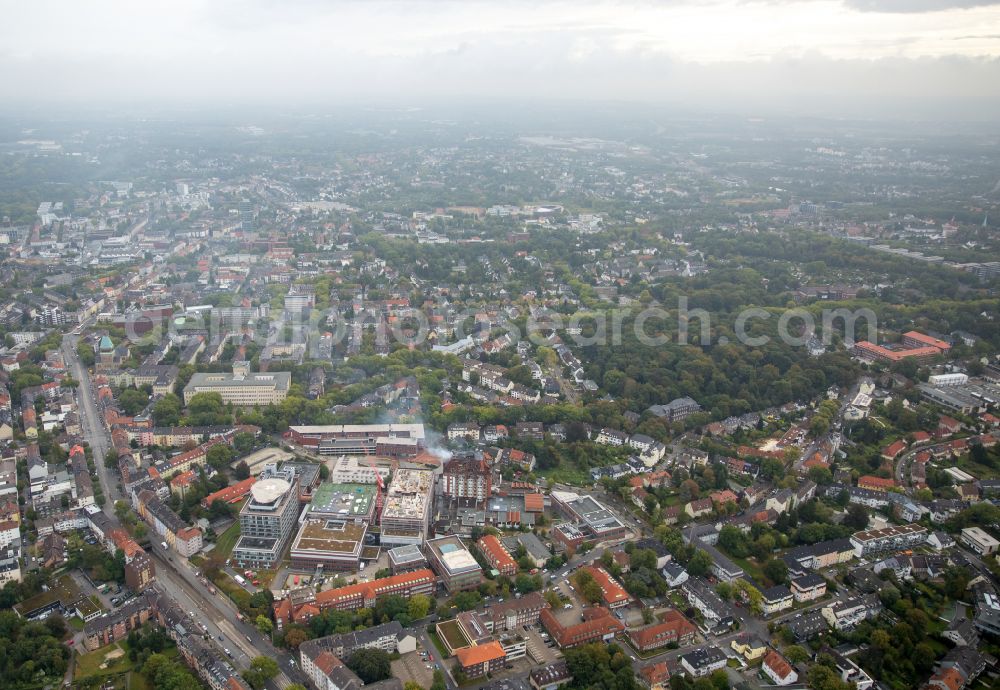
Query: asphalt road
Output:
(175,578)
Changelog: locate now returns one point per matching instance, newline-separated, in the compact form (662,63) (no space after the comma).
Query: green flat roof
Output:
(348,500)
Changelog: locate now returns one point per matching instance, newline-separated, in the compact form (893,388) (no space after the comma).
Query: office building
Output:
(457,568)
(979,541)
(241,388)
(392,440)
(267,518)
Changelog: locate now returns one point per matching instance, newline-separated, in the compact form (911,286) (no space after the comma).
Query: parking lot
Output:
(537,648)
(413,667)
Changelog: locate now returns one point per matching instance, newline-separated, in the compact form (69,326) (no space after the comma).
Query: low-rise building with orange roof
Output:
(612,593)
(231,494)
(497,556)
(777,668)
(182,482)
(874,483)
(655,676)
(598,625)
(478,660)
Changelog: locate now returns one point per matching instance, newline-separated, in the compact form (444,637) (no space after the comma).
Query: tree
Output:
(776,571)
(796,654)
(132,401)
(167,410)
(262,669)
(733,541)
(243,442)
(821,475)
(700,564)
(242,470)
(438,680)
(295,636)
(111,459)
(264,624)
(207,409)
(856,517)
(219,456)
(371,665)
(418,606)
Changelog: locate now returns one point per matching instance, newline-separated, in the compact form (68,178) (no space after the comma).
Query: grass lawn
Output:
(573,476)
(228,585)
(442,650)
(227,541)
(75,622)
(137,681)
(752,569)
(88,665)
(966,464)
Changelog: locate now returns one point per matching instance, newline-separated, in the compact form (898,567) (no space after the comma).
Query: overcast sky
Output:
(925,58)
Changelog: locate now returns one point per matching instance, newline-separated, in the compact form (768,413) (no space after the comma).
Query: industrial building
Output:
(979,541)
(352,469)
(592,519)
(404,559)
(393,440)
(345,501)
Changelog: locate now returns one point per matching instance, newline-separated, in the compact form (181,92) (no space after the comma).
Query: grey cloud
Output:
(916,6)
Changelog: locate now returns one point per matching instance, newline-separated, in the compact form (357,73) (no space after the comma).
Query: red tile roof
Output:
(534,503)
(778,664)
(480,654)
(612,592)
(496,554)
(894,449)
(878,483)
(230,494)
(927,340)
(371,590)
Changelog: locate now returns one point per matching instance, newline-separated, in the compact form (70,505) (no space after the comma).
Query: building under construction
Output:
(406,508)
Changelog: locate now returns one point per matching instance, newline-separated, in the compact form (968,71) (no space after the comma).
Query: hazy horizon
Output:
(866,59)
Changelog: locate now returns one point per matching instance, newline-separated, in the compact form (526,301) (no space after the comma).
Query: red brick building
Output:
(674,628)
(497,556)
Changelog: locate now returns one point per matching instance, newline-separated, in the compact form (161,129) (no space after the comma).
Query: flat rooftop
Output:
(278,380)
(452,553)
(348,500)
(329,537)
(362,430)
(406,554)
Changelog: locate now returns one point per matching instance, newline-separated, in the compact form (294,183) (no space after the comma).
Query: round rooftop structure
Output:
(269,490)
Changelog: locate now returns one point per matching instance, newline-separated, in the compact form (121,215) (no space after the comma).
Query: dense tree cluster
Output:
(600,667)
(31,652)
